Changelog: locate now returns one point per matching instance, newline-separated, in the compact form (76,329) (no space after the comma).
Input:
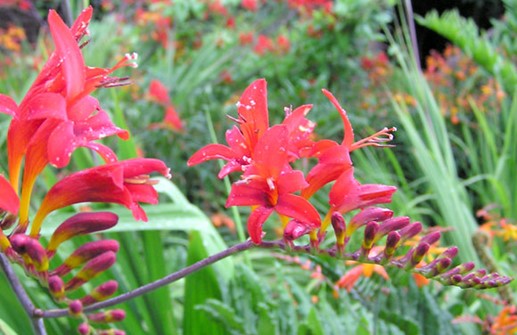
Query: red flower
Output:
(251,5)
(246,38)
(253,122)
(264,44)
(348,194)
(125,182)
(57,114)
(159,92)
(269,182)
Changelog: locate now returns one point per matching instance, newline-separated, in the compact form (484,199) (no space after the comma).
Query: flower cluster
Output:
(56,116)
(266,157)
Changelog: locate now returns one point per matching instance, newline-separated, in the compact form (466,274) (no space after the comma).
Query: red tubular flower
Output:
(348,194)
(57,115)
(125,182)
(269,183)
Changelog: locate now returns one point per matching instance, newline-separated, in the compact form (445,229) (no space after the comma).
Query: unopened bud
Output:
(84,253)
(91,270)
(366,215)
(31,250)
(392,224)
(419,253)
(56,287)
(107,316)
(392,243)
(410,230)
(81,224)
(75,308)
(370,231)
(83,329)
(339,225)
(432,237)
(295,229)
(100,293)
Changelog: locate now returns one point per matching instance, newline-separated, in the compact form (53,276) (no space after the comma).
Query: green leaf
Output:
(199,288)
(5,329)
(225,315)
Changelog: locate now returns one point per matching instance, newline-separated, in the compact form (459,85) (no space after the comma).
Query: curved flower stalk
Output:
(56,116)
(264,155)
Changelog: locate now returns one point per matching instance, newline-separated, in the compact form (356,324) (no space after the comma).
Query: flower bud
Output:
(410,230)
(392,243)
(113,315)
(295,229)
(81,224)
(91,270)
(84,253)
(392,224)
(366,215)
(83,329)
(56,287)
(419,253)
(339,225)
(100,293)
(31,250)
(75,308)
(370,232)
(432,238)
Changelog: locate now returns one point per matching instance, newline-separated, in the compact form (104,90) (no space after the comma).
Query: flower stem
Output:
(28,306)
(55,313)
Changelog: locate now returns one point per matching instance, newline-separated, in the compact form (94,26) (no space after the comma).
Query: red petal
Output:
(344,194)
(246,194)
(211,151)
(8,105)
(159,92)
(70,55)
(298,208)
(270,154)
(252,109)
(9,200)
(46,105)
(348,138)
(256,221)
(172,119)
(291,181)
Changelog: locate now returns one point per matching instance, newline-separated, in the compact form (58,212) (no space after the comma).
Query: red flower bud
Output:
(56,287)
(108,316)
(81,224)
(91,270)
(85,253)
(75,308)
(295,229)
(100,293)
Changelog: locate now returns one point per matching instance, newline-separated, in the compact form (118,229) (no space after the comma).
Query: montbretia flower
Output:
(125,182)
(268,184)
(9,200)
(57,114)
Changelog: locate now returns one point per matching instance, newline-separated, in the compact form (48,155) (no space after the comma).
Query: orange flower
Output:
(350,278)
